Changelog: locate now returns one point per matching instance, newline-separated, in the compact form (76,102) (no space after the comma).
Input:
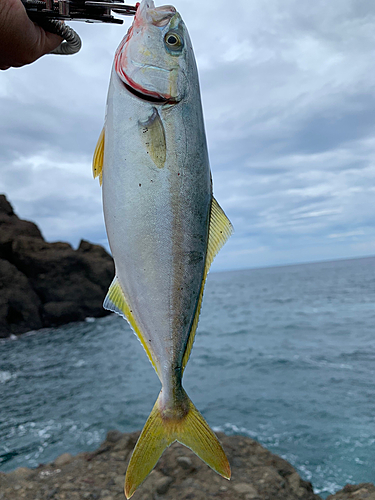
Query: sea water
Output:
(284,355)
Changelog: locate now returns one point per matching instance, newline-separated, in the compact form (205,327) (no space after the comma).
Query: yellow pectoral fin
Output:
(115,301)
(153,137)
(97,162)
(219,231)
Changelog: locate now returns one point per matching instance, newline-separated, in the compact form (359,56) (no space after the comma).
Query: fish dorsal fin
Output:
(219,231)
(115,301)
(97,162)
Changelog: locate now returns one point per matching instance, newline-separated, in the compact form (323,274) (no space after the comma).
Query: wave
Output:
(6,376)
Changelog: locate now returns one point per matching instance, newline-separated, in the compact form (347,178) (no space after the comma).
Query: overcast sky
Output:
(288,91)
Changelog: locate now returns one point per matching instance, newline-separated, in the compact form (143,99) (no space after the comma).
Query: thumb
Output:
(46,42)
(21,40)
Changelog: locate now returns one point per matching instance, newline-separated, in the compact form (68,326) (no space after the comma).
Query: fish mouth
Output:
(142,93)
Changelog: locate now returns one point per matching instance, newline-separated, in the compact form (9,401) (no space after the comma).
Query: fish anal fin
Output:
(115,301)
(97,162)
(220,229)
(159,432)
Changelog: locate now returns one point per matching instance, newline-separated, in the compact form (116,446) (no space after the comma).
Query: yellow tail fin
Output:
(159,432)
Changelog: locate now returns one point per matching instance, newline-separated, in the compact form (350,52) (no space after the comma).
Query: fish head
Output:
(154,57)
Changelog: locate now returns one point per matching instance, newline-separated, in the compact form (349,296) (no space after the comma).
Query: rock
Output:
(58,313)
(245,488)
(113,436)
(19,304)
(363,491)
(21,473)
(257,475)
(120,480)
(297,484)
(11,227)
(185,463)
(51,493)
(127,442)
(47,284)
(162,485)
(294,481)
(68,487)
(63,459)
(60,274)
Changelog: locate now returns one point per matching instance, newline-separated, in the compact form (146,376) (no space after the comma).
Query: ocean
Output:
(285,355)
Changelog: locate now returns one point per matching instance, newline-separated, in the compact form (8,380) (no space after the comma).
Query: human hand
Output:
(22,41)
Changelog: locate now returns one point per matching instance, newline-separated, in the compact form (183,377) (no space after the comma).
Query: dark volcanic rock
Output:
(47,284)
(20,306)
(11,227)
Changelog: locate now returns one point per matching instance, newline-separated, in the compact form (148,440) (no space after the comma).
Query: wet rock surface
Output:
(257,474)
(47,284)
(363,491)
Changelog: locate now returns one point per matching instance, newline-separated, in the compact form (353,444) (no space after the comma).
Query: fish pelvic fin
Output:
(163,427)
(97,161)
(220,229)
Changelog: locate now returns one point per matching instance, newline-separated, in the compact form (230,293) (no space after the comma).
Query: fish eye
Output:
(173,40)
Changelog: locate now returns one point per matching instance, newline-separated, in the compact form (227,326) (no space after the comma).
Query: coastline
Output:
(257,474)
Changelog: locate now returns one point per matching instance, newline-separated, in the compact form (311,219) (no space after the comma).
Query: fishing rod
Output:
(52,14)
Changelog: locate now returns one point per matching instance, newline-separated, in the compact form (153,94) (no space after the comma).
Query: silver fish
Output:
(164,226)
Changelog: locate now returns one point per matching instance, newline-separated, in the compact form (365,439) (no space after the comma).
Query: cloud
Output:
(289,107)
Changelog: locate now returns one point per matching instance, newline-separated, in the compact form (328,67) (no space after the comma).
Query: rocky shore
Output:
(47,284)
(257,474)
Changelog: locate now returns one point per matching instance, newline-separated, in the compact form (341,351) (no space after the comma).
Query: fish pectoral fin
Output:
(153,138)
(97,161)
(220,230)
(159,432)
(116,302)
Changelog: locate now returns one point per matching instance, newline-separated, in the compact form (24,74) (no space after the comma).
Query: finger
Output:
(46,41)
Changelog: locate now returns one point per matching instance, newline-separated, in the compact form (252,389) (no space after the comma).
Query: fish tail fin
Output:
(160,431)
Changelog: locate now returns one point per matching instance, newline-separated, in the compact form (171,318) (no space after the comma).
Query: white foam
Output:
(79,363)
(5,376)
(229,428)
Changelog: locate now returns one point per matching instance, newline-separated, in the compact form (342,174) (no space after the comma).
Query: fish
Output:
(163,223)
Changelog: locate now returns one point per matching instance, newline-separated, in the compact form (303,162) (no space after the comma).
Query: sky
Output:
(288,92)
